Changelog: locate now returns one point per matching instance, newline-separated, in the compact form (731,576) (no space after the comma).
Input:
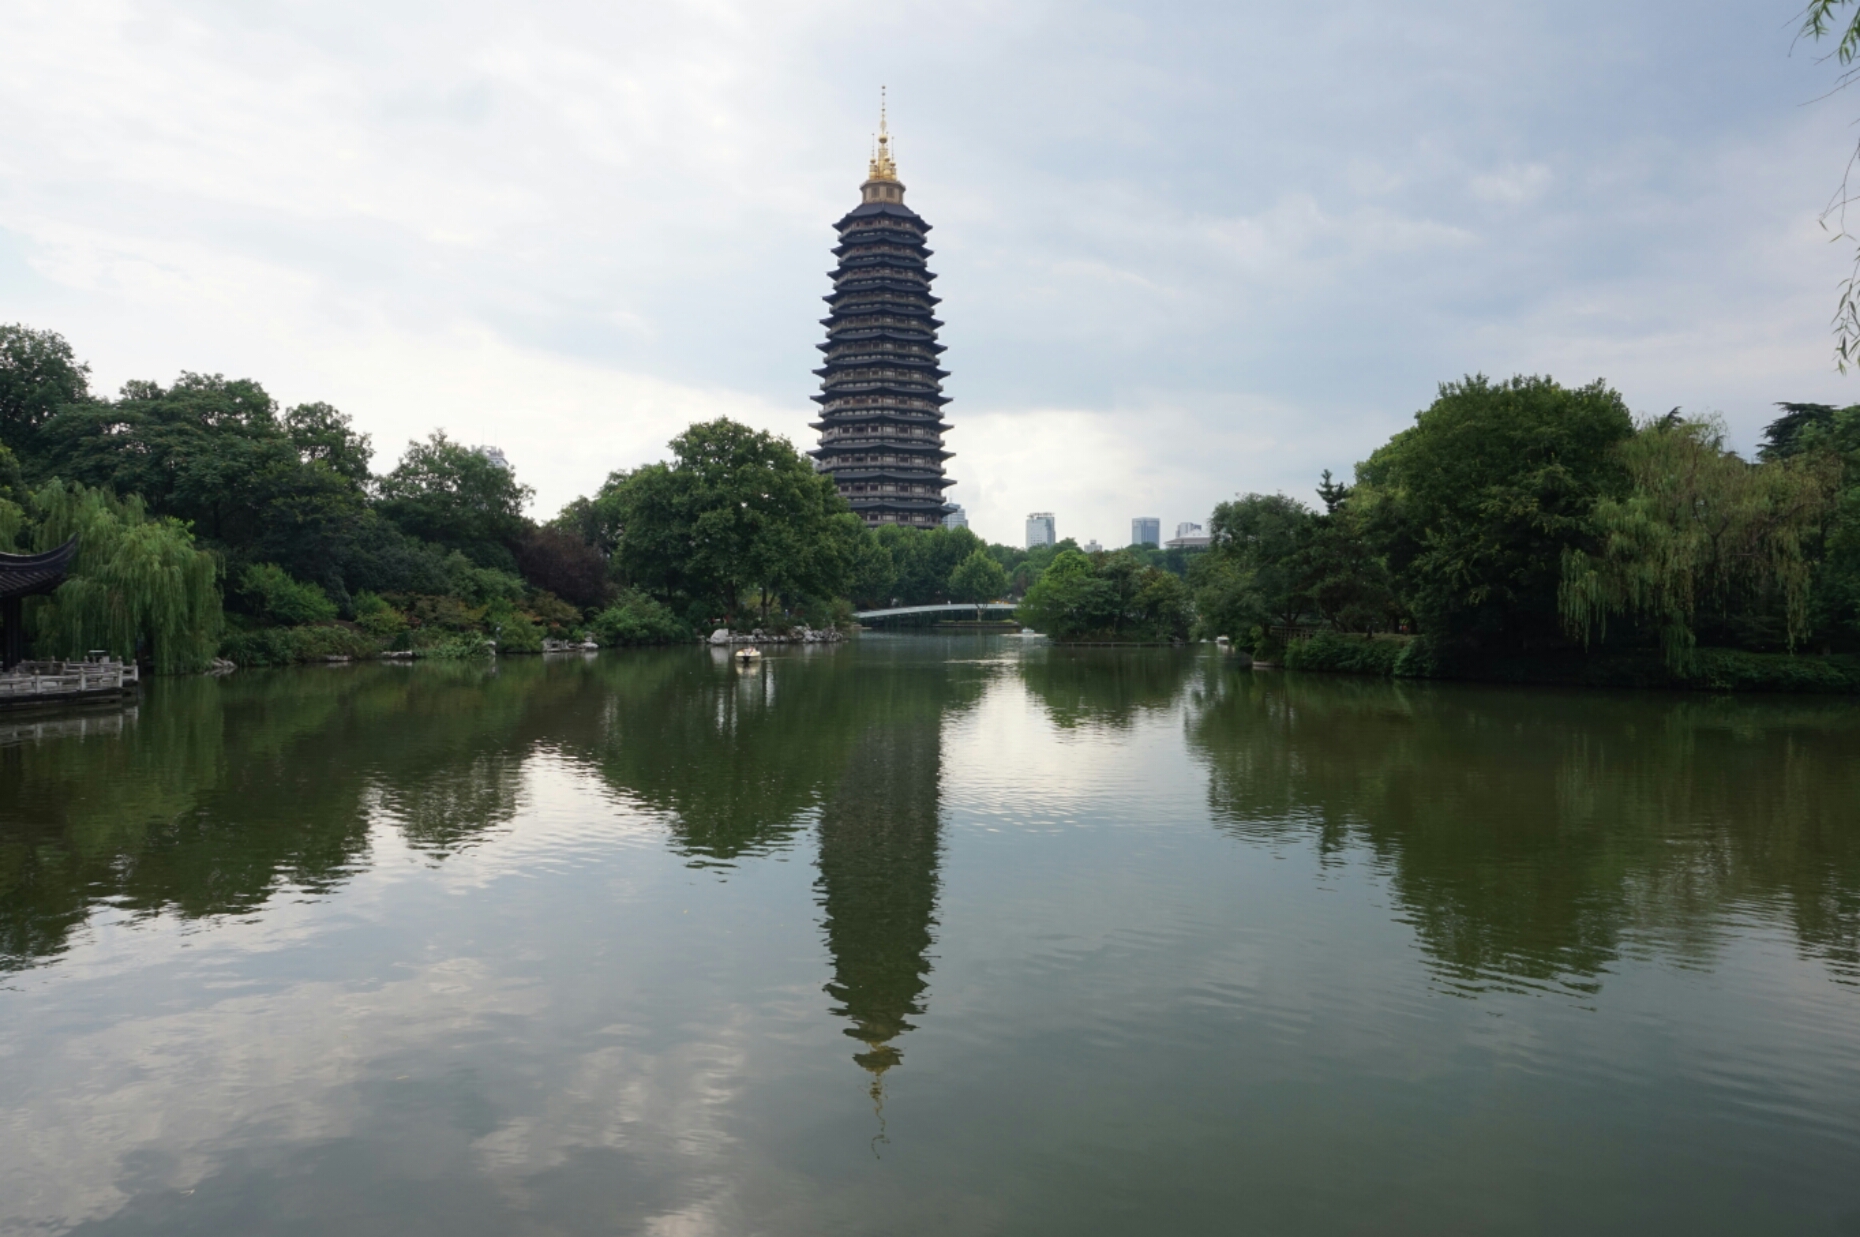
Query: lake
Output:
(926,935)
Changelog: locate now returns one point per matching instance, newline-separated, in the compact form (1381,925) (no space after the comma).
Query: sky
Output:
(1186,250)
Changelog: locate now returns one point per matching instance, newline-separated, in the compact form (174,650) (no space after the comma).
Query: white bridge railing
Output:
(51,679)
(955,607)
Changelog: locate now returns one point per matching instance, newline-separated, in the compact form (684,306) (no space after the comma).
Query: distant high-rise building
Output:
(1092,547)
(1188,536)
(494,455)
(1042,529)
(1146,530)
(957,517)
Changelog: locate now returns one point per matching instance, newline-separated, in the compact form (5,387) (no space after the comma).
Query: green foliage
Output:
(290,646)
(272,595)
(1115,598)
(457,646)
(637,619)
(39,374)
(737,513)
(1266,647)
(138,582)
(325,436)
(977,578)
(514,631)
(1473,507)
(556,616)
(1699,526)
(455,496)
(1345,654)
(1264,536)
(379,619)
(596,521)
(1226,604)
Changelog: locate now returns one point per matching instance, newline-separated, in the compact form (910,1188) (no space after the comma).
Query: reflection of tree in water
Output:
(1536,836)
(220,792)
(738,760)
(1105,687)
(734,758)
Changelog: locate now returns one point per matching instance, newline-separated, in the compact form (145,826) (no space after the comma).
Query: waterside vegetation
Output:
(1518,530)
(1524,531)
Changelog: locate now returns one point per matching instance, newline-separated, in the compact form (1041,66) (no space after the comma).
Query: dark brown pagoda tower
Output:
(881,393)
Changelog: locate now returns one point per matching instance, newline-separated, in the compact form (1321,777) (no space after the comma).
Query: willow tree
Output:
(138,582)
(1697,526)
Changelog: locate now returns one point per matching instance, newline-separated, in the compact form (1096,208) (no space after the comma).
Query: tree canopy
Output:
(737,514)
(1474,505)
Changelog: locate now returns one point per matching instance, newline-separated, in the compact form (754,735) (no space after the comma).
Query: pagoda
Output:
(881,391)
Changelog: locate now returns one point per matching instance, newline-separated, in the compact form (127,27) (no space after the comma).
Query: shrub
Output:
(288,646)
(638,620)
(1344,654)
(515,633)
(273,595)
(379,619)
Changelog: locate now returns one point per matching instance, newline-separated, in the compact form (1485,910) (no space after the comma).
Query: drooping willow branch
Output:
(1698,525)
(137,582)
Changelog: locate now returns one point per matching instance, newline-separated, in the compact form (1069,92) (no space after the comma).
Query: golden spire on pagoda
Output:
(882,166)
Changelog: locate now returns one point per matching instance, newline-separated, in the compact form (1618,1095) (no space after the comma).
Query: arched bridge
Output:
(997,607)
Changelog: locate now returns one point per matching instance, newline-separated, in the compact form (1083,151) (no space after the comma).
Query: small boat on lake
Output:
(747,655)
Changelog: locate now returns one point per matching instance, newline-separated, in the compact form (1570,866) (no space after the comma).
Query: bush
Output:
(515,633)
(379,619)
(1344,654)
(289,646)
(1266,646)
(462,646)
(273,595)
(638,620)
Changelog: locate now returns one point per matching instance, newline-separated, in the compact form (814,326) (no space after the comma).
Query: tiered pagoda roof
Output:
(881,389)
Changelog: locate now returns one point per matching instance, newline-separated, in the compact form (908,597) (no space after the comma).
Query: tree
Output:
(1698,526)
(596,520)
(1264,535)
(1473,506)
(39,374)
(737,512)
(559,562)
(271,594)
(1115,598)
(138,582)
(977,578)
(324,435)
(457,496)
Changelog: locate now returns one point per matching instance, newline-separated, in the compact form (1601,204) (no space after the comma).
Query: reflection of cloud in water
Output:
(1006,759)
(156,1123)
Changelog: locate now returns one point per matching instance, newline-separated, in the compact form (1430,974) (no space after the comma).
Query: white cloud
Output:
(1219,247)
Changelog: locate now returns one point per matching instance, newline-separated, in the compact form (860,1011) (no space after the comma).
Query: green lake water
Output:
(926,936)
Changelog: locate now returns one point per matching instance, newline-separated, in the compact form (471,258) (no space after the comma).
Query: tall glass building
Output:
(1146,530)
(1042,529)
(881,391)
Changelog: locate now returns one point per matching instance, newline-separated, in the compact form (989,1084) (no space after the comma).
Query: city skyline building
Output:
(881,390)
(1188,536)
(1146,530)
(1042,529)
(957,517)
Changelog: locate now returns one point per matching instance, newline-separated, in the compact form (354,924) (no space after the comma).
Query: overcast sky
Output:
(1186,250)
